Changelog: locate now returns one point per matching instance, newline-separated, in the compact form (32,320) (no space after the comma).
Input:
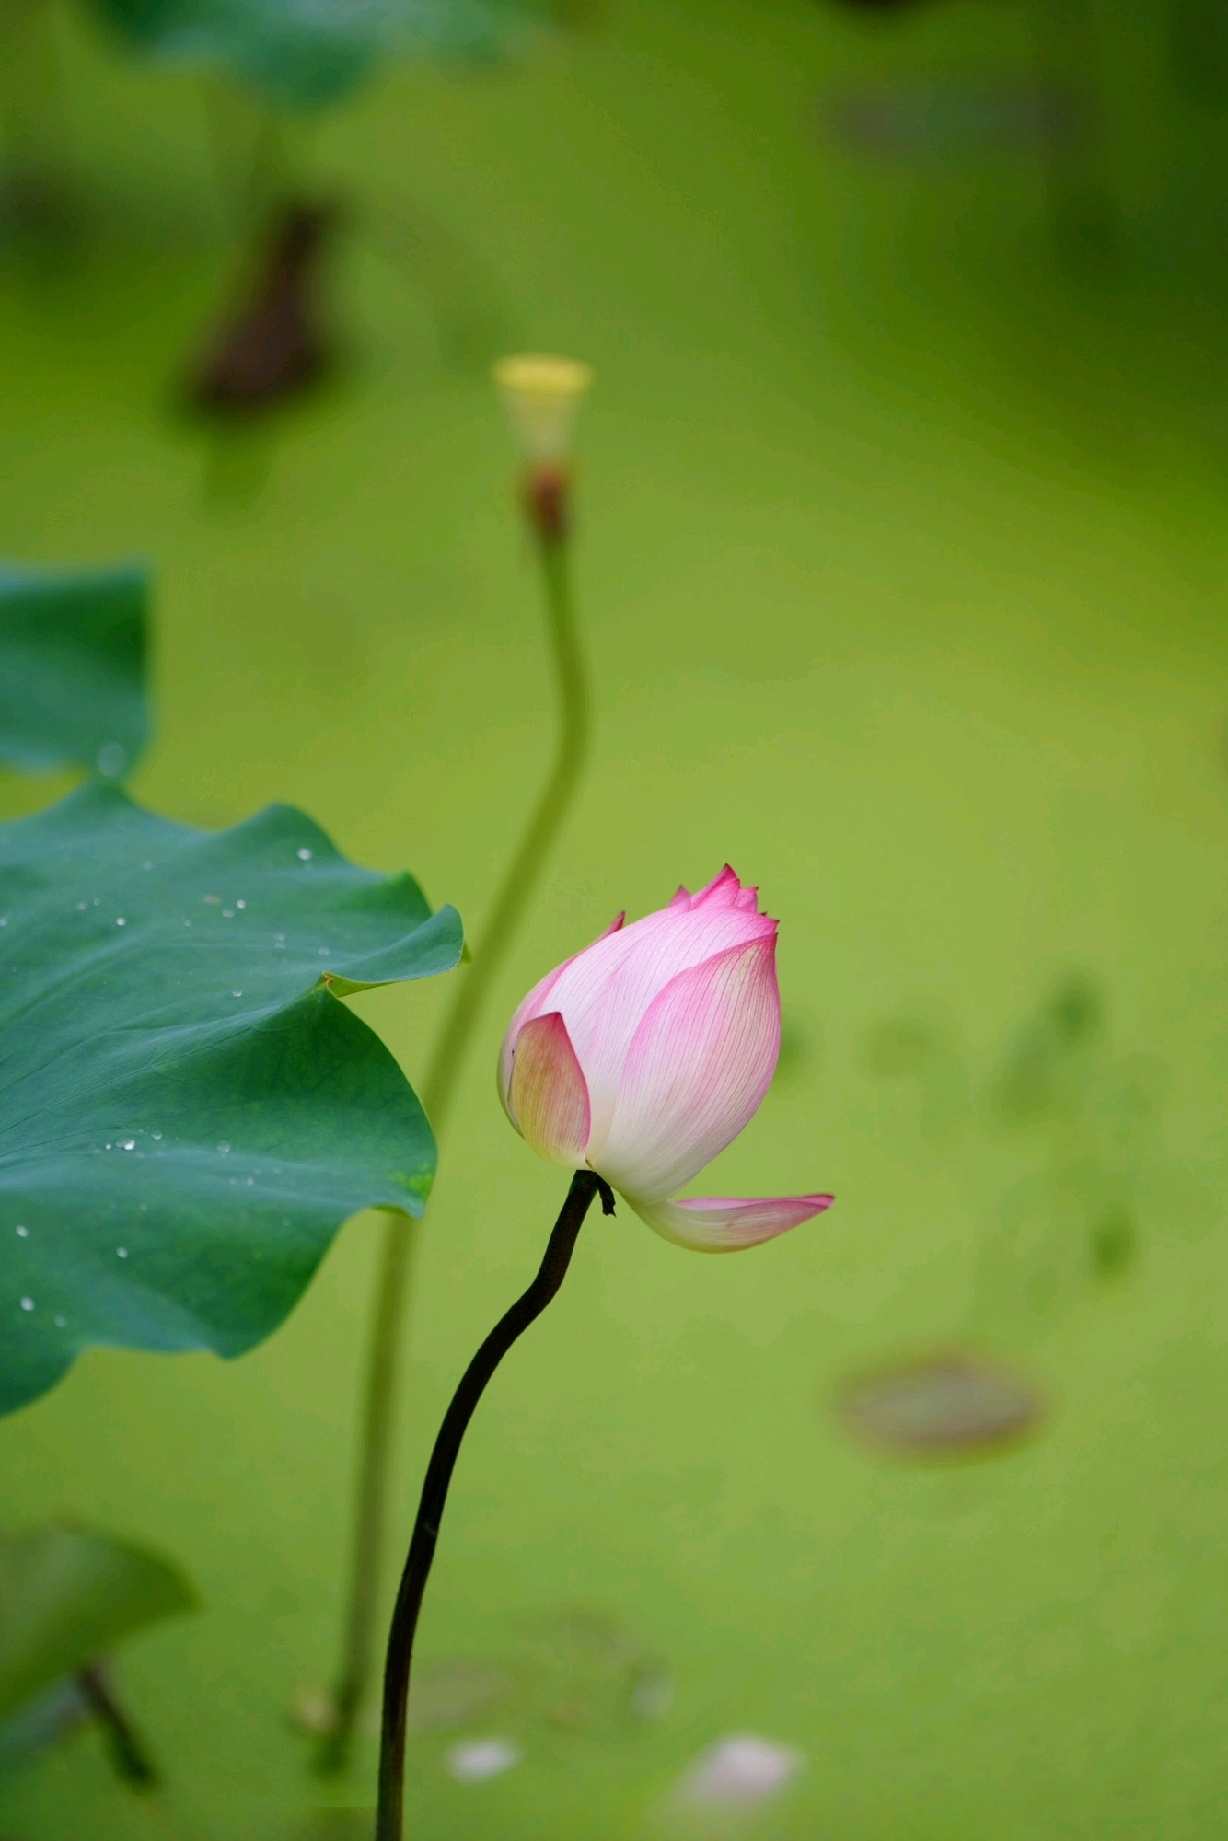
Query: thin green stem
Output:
(585,1185)
(470,995)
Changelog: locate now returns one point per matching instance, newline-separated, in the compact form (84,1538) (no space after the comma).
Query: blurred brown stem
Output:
(124,1743)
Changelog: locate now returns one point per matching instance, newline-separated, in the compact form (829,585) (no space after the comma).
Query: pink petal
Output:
(535,1004)
(722,892)
(697,1068)
(605,992)
(548,1100)
(726,1224)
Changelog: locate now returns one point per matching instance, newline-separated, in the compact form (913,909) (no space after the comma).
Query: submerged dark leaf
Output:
(1045,1070)
(949,1404)
(187,1113)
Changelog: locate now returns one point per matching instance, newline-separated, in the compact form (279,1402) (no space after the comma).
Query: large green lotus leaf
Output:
(68,1595)
(187,1112)
(309,53)
(72,667)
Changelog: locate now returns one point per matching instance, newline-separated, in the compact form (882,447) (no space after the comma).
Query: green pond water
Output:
(902,564)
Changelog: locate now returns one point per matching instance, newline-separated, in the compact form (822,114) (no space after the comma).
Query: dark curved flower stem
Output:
(527,1308)
(127,1750)
(470,994)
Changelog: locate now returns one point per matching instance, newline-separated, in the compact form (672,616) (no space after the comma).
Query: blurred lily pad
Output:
(69,1595)
(310,53)
(584,1670)
(951,1403)
(188,1114)
(72,667)
(449,1694)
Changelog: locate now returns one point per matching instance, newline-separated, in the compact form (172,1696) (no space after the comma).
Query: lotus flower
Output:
(645,1054)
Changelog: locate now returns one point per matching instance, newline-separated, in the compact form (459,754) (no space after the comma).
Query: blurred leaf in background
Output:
(69,1595)
(188,1113)
(73,662)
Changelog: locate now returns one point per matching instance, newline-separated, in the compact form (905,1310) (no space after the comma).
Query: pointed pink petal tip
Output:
(726,1224)
(724,891)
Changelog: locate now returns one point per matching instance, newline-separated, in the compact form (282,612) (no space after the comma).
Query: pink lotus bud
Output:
(646,1054)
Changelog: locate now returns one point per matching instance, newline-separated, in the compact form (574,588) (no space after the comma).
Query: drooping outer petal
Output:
(726,1224)
(697,1068)
(548,1100)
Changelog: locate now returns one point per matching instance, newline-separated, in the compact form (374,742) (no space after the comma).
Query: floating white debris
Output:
(315,1711)
(476,1760)
(740,1772)
(652,1692)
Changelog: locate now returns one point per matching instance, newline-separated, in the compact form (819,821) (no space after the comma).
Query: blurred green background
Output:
(901,559)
